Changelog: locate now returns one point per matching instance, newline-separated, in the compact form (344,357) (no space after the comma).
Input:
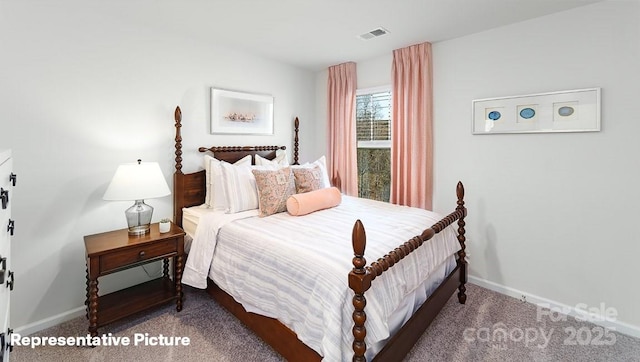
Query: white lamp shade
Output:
(137,181)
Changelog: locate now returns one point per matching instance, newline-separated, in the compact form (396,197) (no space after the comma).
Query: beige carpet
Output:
(471,332)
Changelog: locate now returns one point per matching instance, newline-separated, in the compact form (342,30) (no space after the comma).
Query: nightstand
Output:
(114,251)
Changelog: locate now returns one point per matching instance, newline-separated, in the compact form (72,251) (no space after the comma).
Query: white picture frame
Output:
(236,112)
(564,111)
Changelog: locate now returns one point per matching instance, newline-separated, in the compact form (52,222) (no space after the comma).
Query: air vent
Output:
(373,33)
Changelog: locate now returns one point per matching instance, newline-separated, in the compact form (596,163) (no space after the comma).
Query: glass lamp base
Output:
(139,230)
(139,218)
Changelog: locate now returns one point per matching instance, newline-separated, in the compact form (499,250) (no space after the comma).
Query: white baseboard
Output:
(559,308)
(50,322)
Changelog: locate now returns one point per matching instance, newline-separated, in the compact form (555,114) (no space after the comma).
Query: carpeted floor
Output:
(490,327)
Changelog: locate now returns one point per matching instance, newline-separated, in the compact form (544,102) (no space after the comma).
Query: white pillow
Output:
(280,160)
(207,183)
(240,189)
(215,198)
(322,163)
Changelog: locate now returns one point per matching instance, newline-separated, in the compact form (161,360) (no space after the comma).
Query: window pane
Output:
(374,173)
(373,115)
(373,128)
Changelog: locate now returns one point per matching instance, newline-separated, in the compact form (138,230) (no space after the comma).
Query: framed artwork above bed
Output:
(235,112)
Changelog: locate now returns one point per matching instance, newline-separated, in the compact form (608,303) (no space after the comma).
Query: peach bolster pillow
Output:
(308,202)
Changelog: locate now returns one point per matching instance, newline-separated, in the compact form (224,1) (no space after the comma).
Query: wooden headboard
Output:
(190,189)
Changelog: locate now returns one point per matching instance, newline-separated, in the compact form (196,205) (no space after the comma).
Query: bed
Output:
(360,278)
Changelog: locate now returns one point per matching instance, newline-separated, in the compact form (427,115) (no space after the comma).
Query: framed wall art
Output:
(564,111)
(234,112)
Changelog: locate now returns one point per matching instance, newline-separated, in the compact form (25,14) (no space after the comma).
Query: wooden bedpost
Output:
(177,116)
(296,145)
(462,296)
(178,176)
(359,282)
(337,182)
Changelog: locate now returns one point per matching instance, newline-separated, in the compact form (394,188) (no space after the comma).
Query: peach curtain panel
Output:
(343,160)
(412,132)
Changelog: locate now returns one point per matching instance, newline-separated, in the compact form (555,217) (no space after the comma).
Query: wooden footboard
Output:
(360,279)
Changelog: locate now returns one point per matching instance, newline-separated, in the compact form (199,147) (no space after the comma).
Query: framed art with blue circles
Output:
(561,111)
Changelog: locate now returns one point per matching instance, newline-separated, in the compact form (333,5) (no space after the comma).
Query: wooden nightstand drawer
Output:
(129,256)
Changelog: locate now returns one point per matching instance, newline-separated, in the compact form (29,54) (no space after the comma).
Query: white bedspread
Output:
(295,268)
(203,245)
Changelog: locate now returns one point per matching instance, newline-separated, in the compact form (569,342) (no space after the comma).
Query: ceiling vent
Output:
(373,33)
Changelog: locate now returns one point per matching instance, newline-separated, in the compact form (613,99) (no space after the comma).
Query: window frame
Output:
(376,143)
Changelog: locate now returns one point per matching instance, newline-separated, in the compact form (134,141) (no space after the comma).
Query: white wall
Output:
(82,91)
(550,215)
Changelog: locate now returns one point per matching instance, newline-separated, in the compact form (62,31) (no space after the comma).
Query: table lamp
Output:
(137,181)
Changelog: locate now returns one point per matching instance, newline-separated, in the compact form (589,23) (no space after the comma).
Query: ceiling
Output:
(314,34)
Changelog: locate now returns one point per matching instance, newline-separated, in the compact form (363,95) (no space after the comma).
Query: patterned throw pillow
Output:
(307,179)
(274,188)
(322,163)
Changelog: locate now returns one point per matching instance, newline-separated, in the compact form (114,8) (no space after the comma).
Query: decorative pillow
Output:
(274,188)
(322,163)
(280,160)
(215,197)
(303,204)
(307,179)
(239,186)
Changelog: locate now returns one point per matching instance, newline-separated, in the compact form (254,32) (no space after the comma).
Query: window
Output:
(373,130)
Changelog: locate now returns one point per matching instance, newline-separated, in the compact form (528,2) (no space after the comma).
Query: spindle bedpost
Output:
(296,129)
(178,176)
(462,262)
(359,282)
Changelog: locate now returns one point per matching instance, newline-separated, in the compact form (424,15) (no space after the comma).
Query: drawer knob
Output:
(4,195)
(9,345)
(10,281)
(141,254)
(3,262)
(11,226)
(3,343)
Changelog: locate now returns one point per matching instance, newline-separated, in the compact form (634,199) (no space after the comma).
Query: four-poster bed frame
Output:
(189,190)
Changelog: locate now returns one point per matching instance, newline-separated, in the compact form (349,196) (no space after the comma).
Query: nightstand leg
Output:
(165,267)
(93,307)
(86,301)
(177,275)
